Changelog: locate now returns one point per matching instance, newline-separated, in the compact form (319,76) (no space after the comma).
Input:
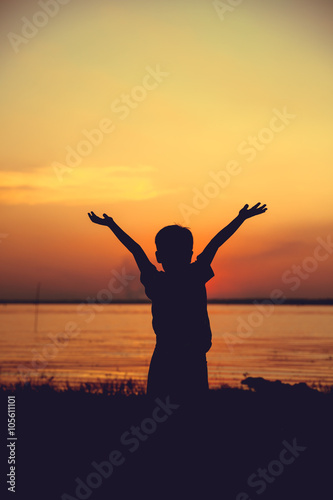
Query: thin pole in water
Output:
(36,306)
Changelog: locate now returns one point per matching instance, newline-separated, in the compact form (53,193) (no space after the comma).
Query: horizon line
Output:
(254,301)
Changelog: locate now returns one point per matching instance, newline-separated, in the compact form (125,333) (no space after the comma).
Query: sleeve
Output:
(148,277)
(204,269)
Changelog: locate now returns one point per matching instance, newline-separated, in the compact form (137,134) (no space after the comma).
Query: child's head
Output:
(174,247)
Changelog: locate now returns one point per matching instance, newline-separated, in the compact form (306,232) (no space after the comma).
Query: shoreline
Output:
(137,387)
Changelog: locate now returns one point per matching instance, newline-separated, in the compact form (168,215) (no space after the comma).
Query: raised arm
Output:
(131,245)
(245,213)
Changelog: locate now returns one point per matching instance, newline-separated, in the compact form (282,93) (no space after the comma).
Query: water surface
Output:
(286,342)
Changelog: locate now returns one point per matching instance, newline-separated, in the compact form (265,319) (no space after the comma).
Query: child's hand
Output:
(251,212)
(98,220)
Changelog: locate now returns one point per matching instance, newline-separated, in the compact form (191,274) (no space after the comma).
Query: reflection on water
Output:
(290,343)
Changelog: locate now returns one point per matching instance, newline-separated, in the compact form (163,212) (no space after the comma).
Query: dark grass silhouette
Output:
(178,366)
(207,451)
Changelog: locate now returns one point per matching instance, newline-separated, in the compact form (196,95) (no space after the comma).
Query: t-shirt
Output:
(179,306)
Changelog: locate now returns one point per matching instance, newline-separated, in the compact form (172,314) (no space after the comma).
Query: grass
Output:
(130,387)
(207,448)
(111,388)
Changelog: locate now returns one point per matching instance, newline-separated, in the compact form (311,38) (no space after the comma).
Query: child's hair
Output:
(175,236)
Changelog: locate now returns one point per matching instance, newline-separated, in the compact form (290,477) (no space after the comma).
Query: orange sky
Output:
(198,113)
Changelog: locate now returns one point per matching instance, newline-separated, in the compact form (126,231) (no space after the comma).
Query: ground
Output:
(267,441)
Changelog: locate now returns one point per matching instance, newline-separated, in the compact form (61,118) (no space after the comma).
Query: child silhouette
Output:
(179,303)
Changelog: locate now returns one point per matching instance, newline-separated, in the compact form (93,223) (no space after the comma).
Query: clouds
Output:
(86,184)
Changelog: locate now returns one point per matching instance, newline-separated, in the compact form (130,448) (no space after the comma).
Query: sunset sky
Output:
(199,111)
